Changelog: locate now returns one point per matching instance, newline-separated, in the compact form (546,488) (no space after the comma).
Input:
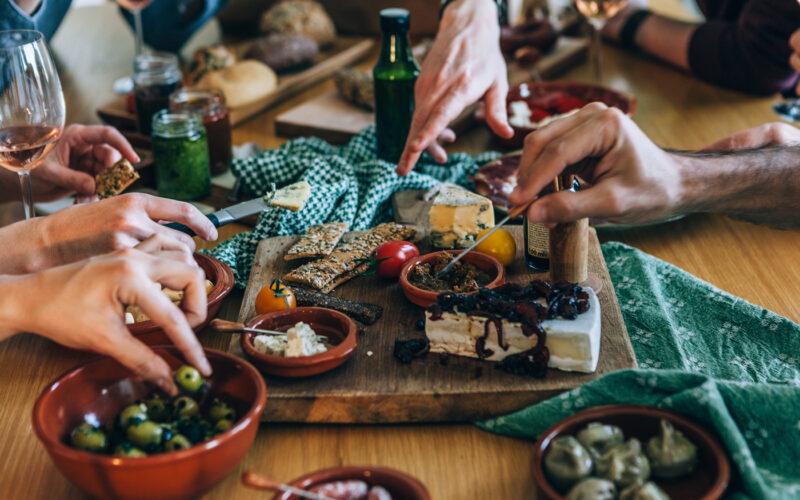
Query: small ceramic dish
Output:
(218,273)
(708,480)
(424,298)
(399,484)
(588,92)
(339,328)
(96,391)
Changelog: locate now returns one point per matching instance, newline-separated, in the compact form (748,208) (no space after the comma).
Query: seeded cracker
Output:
(115,179)
(319,241)
(342,264)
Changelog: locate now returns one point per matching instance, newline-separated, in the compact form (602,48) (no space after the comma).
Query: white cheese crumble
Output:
(300,340)
(521,116)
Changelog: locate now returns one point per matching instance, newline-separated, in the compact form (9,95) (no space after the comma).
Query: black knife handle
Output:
(186,229)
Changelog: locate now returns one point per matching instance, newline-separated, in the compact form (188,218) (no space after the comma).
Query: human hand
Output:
(794,59)
(81,231)
(465,64)
(82,152)
(82,306)
(631,179)
(768,134)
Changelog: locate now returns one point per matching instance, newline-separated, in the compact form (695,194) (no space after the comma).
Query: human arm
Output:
(633,180)
(81,231)
(464,65)
(748,53)
(82,306)
(40,15)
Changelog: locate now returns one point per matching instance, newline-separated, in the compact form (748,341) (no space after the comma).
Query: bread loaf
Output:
(242,83)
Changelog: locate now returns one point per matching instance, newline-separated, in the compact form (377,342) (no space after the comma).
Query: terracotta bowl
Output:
(529,91)
(99,389)
(399,484)
(707,482)
(220,274)
(339,328)
(424,298)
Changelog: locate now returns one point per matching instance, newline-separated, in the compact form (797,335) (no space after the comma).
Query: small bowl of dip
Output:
(340,330)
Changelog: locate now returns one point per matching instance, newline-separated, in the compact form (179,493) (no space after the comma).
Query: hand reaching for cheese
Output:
(81,305)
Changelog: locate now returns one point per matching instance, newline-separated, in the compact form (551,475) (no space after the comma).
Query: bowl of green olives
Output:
(221,277)
(629,452)
(114,435)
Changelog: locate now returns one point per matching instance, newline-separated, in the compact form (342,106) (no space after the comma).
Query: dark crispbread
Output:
(342,264)
(115,179)
(319,241)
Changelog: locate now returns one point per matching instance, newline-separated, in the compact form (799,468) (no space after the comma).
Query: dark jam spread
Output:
(462,278)
(517,304)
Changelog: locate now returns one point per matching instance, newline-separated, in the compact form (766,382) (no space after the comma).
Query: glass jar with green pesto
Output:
(180,153)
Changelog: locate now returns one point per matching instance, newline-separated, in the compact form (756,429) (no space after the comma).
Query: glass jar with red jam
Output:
(156,75)
(209,103)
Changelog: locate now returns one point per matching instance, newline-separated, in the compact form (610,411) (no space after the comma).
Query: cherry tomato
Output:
(499,245)
(274,297)
(392,255)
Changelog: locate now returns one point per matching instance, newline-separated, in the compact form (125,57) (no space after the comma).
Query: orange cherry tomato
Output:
(275,297)
(499,245)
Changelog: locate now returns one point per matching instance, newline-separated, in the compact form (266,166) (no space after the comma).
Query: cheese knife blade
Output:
(512,214)
(229,214)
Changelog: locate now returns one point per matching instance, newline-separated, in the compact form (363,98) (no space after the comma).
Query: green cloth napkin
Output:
(348,184)
(729,365)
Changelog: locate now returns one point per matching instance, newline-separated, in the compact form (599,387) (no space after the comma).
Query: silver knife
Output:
(232,213)
(512,214)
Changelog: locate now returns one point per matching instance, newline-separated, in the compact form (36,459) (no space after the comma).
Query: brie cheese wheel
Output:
(574,345)
(457,216)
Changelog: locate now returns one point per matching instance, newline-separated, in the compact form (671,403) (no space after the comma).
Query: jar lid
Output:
(172,124)
(156,67)
(394,20)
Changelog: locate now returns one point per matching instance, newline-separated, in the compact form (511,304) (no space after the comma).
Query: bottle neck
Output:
(396,49)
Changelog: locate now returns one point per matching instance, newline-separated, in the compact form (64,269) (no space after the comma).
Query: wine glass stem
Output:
(27,193)
(598,76)
(137,24)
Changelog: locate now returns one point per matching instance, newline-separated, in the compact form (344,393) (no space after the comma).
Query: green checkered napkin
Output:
(727,364)
(348,184)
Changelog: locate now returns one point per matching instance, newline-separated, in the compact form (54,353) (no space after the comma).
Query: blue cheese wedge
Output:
(457,216)
(574,345)
(292,197)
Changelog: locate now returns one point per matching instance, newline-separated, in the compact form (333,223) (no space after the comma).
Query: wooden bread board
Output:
(373,387)
(343,52)
(335,120)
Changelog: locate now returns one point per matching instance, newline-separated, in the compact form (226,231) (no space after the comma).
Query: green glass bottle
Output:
(395,75)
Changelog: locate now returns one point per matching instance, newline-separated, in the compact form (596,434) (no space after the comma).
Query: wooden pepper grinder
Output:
(569,244)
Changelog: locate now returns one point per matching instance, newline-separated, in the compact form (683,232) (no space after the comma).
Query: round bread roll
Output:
(300,17)
(282,51)
(243,82)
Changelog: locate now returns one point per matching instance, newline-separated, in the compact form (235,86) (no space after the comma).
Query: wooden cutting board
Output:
(343,52)
(373,387)
(331,118)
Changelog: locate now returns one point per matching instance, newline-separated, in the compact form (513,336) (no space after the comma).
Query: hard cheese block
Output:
(457,216)
(574,345)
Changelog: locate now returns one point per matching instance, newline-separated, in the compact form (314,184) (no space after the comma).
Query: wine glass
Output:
(32,110)
(597,12)
(135,7)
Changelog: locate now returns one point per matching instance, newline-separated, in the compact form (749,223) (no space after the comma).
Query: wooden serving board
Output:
(335,120)
(373,387)
(343,52)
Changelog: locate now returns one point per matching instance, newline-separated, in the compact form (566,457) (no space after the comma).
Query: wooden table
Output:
(454,461)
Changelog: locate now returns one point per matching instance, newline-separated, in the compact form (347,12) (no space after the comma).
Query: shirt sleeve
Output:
(46,18)
(750,54)
(168,24)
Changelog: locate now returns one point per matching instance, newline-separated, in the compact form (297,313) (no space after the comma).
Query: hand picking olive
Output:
(158,424)
(189,379)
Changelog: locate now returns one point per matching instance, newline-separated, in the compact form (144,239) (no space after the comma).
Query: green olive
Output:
(221,411)
(133,414)
(189,379)
(89,438)
(186,407)
(178,442)
(223,425)
(146,435)
(128,451)
(158,409)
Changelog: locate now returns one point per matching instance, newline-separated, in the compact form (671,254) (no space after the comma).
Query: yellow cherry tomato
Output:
(274,297)
(499,245)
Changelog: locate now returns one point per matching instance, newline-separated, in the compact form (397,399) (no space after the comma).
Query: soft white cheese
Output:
(300,340)
(270,344)
(521,116)
(574,345)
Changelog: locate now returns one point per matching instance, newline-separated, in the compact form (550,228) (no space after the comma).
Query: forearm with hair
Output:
(758,185)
